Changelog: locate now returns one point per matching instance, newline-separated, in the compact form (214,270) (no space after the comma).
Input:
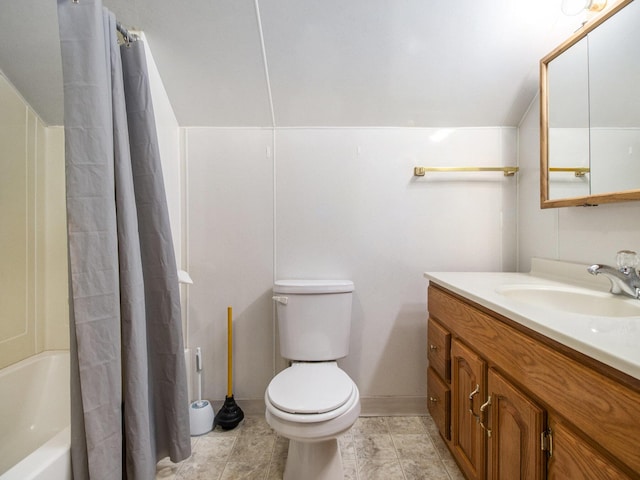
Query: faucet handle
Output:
(627,260)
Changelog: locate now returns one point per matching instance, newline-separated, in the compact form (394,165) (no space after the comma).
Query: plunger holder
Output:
(230,415)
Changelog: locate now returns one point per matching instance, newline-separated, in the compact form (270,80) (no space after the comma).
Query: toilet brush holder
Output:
(200,417)
(200,412)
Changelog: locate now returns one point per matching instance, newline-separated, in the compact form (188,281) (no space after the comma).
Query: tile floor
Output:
(386,448)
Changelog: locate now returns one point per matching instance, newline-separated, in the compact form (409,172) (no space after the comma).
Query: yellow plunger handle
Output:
(229,352)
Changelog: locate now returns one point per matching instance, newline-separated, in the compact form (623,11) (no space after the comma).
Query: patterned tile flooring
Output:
(386,448)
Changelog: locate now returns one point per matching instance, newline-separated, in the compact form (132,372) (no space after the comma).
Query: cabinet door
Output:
(572,457)
(467,393)
(514,425)
(439,405)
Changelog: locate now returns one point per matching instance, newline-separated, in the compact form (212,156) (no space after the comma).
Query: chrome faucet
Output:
(624,279)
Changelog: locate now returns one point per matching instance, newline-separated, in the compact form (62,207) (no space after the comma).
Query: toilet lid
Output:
(310,388)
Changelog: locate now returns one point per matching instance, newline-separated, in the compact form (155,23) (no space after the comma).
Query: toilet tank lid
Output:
(313,286)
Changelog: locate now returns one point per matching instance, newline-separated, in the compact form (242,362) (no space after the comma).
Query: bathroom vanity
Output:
(524,382)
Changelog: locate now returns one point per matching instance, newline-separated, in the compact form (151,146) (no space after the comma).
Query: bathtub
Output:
(34,418)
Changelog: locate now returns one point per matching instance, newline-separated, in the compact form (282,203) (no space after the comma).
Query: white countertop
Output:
(614,341)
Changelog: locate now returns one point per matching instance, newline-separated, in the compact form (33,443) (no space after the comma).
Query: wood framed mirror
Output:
(590,112)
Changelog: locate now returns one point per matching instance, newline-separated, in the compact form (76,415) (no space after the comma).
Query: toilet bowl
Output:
(312,404)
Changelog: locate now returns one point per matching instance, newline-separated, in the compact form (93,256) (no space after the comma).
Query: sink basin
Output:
(573,300)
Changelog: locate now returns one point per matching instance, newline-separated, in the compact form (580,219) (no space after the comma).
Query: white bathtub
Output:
(34,418)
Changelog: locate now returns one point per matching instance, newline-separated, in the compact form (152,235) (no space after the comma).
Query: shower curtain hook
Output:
(126,36)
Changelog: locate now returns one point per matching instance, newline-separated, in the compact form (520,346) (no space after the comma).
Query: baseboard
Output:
(371,406)
(393,406)
(248,406)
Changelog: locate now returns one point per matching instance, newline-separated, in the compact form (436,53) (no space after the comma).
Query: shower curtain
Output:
(128,389)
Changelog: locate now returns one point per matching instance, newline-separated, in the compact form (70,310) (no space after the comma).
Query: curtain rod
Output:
(128,37)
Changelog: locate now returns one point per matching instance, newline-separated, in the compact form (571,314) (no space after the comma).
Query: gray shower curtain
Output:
(128,380)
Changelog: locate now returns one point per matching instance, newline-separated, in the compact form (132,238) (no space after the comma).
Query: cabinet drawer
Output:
(439,399)
(439,349)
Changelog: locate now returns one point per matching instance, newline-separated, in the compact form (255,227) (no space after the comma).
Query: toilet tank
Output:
(314,318)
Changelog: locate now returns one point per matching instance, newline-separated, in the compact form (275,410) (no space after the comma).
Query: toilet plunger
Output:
(230,415)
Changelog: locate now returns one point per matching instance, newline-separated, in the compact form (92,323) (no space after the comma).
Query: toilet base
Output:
(314,460)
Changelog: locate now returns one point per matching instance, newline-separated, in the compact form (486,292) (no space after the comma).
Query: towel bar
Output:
(508,171)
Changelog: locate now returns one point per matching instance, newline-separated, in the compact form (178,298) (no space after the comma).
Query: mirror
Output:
(590,113)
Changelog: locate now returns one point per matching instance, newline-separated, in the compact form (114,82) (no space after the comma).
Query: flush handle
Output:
(279,299)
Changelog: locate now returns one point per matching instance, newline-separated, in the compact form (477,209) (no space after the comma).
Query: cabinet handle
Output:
(483,409)
(433,399)
(546,442)
(471,395)
(433,347)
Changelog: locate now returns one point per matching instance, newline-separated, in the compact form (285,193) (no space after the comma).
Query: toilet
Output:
(313,401)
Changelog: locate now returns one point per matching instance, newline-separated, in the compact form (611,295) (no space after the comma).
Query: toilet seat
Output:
(311,392)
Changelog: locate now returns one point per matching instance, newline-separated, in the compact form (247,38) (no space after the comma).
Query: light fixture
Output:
(574,7)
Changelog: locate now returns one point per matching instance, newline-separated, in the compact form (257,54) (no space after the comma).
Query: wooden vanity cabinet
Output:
(524,407)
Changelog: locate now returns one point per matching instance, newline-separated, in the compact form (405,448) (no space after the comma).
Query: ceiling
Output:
(291,63)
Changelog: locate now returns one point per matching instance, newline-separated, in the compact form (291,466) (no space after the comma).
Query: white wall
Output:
(17,237)
(33,284)
(56,306)
(346,206)
(580,234)
(230,246)
(170,147)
